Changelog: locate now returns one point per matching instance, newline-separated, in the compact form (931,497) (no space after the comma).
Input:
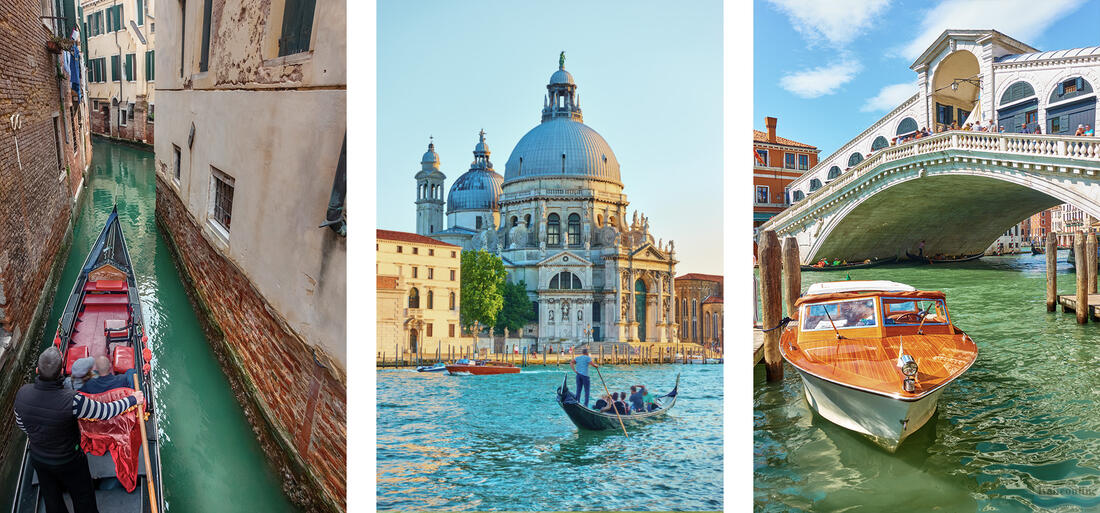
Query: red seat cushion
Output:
(74,353)
(115,328)
(106,299)
(123,359)
(109,285)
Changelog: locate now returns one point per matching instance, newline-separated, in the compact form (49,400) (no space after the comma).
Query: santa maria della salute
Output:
(558,219)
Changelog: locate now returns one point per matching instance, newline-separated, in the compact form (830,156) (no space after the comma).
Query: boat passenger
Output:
(610,406)
(637,398)
(621,404)
(105,379)
(48,413)
(601,403)
(580,364)
(79,375)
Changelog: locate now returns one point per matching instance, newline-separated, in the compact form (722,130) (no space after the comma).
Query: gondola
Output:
(1036,249)
(103,318)
(592,420)
(858,265)
(930,260)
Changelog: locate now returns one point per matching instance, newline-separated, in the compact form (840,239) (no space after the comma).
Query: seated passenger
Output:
(601,403)
(105,380)
(79,375)
(637,398)
(610,407)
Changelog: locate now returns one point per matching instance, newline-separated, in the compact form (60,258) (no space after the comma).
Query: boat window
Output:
(907,311)
(856,313)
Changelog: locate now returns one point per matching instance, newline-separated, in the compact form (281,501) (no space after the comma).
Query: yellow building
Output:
(419,280)
(120,67)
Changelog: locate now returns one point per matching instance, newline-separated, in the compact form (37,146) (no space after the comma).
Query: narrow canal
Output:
(211,459)
(1019,431)
(460,443)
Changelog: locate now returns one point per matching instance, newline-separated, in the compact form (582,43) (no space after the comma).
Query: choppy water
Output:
(503,443)
(210,457)
(1019,432)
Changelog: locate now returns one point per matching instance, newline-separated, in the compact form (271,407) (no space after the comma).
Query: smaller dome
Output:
(561,77)
(477,189)
(430,156)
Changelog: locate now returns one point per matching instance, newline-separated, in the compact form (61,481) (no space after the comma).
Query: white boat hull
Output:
(886,420)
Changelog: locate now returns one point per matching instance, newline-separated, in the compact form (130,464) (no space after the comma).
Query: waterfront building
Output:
(559,220)
(419,287)
(121,67)
(1068,220)
(699,309)
(777,162)
(43,156)
(1039,225)
(250,165)
(1009,243)
(979,76)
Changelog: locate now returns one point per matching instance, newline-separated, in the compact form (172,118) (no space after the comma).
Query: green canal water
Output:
(210,457)
(1020,431)
(460,443)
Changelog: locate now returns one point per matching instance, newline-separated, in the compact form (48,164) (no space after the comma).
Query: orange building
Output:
(776,163)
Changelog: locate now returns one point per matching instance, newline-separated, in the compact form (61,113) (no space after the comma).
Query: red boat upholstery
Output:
(115,330)
(89,326)
(122,358)
(105,286)
(72,355)
(106,299)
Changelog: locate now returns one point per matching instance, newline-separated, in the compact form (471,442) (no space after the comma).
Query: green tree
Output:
(482,278)
(517,311)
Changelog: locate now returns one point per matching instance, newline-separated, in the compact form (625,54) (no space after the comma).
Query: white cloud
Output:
(838,22)
(820,81)
(1023,20)
(889,97)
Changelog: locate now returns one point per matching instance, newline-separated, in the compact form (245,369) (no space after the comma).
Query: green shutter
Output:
(297,26)
(150,65)
(204,56)
(129,66)
(115,72)
(140,12)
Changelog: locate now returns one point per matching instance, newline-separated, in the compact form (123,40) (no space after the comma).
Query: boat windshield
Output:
(907,311)
(853,313)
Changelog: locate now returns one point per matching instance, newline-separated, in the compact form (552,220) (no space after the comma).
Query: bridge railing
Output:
(1062,146)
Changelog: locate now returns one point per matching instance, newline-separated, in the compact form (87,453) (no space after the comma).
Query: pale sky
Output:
(649,79)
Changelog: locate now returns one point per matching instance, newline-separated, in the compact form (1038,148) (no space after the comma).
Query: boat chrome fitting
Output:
(909,385)
(908,365)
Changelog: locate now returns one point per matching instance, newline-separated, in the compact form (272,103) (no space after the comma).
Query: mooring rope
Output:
(782,322)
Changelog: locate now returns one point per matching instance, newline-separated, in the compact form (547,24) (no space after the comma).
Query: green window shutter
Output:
(115,75)
(129,66)
(204,56)
(150,65)
(297,26)
(140,12)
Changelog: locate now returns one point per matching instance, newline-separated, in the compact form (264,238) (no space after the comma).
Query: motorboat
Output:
(438,367)
(481,367)
(875,356)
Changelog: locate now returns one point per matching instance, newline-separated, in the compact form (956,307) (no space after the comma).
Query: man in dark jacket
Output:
(104,380)
(48,413)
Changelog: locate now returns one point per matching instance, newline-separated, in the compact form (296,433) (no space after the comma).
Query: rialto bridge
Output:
(885,191)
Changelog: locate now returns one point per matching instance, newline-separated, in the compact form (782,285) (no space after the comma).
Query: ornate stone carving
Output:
(565,310)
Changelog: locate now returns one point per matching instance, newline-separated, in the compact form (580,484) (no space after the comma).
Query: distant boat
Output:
(1036,250)
(949,260)
(857,265)
(439,367)
(592,420)
(874,356)
(482,367)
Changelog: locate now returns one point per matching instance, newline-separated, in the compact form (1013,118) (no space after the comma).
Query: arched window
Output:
(573,230)
(706,324)
(683,311)
(834,172)
(856,158)
(414,298)
(527,220)
(1017,91)
(553,230)
(799,196)
(1070,88)
(565,280)
(431,300)
(879,143)
(694,320)
(815,184)
(451,303)
(907,126)
(515,221)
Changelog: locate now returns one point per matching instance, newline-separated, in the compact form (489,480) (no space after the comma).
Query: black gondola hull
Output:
(864,265)
(592,420)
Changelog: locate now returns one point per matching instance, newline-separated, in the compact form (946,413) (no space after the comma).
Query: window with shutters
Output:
(431,302)
(204,54)
(1017,91)
(907,125)
(788,160)
(803,162)
(116,72)
(297,27)
(834,172)
(140,12)
(429,324)
(150,66)
(130,67)
(761,194)
(854,159)
(879,143)
(450,330)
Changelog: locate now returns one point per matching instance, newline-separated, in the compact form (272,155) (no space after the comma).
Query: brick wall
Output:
(302,403)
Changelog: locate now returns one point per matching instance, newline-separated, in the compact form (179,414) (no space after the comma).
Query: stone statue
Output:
(561,60)
(623,313)
(671,246)
(580,314)
(564,311)
(586,229)
(550,314)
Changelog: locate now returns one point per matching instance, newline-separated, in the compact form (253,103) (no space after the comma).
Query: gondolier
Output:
(48,413)
(580,364)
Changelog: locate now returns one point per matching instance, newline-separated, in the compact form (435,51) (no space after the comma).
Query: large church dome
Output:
(562,145)
(478,188)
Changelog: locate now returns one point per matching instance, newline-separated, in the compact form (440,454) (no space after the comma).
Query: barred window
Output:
(223,198)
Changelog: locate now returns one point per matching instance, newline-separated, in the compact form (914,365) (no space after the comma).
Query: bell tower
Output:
(429,193)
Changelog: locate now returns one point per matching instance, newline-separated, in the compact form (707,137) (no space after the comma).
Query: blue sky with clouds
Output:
(828,69)
(649,79)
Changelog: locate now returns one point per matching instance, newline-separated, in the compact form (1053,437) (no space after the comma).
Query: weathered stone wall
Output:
(302,403)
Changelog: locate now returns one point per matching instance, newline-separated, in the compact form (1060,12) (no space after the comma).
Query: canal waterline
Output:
(211,459)
(458,443)
(1018,432)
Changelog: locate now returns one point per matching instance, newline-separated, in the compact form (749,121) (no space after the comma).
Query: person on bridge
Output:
(1080,130)
(105,380)
(580,365)
(1089,131)
(48,413)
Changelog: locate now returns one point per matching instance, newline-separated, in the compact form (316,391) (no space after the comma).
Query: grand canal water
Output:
(1019,432)
(502,443)
(210,457)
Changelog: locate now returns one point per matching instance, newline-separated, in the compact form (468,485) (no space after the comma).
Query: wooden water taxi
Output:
(481,367)
(103,318)
(874,356)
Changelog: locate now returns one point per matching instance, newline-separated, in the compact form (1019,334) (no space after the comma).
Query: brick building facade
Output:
(776,163)
(44,150)
(699,309)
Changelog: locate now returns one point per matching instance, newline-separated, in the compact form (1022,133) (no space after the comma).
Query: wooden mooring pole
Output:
(1052,271)
(1090,248)
(771,300)
(792,273)
(1082,277)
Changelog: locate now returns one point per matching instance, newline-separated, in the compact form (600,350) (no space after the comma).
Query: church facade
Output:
(558,218)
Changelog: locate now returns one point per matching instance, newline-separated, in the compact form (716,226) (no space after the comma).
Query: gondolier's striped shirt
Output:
(85,408)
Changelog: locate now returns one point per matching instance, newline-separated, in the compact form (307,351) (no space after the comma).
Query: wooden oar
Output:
(145,451)
(613,407)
